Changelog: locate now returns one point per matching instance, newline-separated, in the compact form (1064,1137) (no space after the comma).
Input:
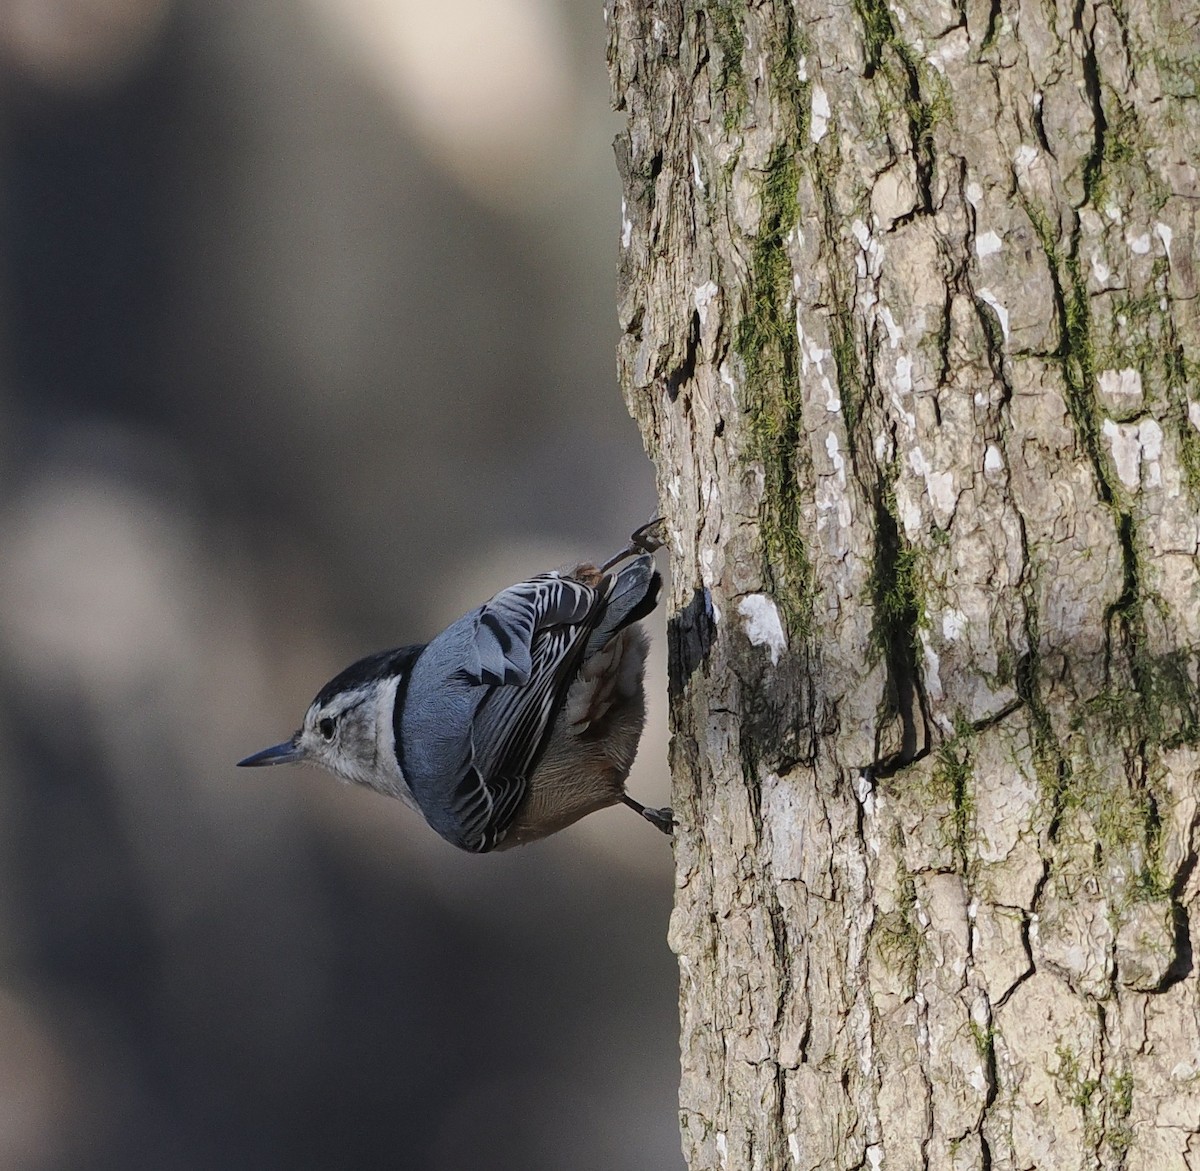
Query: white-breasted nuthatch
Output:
(517,720)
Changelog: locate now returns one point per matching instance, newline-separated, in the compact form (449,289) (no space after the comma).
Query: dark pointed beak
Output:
(286,753)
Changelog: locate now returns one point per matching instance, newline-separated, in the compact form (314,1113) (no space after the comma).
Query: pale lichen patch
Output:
(1126,452)
(1120,390)
(987,244)
(762,624)
(954,622)
(819,120)
(1024,156)
(894,332)
(1136,452)
(932,668)
(703,296)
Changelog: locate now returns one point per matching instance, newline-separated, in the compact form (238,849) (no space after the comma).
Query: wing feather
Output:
(483,698)
(544,623)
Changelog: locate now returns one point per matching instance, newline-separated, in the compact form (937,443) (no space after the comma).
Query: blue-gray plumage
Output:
(517,720)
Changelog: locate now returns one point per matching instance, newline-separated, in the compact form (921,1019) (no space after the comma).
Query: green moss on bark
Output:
(767,341)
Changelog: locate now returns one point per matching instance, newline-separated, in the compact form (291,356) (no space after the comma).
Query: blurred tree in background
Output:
(306,340)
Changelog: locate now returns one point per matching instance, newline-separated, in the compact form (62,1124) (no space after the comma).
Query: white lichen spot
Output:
(943,497)
(987,244)
(708,566)
(1024,156)
(833,404)
(762,624)
(993,459)
(976,1080)
(1164,233)
(904,374)
(794,1147)
(1126,452)
(954,622)
(910,510)
(726,377)
(1139,245)
(673,488)
(974,194)
(932,672)
(819,121)
(1150,436)
(953,46)
(703,296)
(626,226)
(835,456)
(894,332)
(1121,388)
(869,262)
(722,1148)
(874,1155)
(811,352)
(1100,270)
(1194,414)
(1113,212)
(989,298)
(831,496)
(802,69)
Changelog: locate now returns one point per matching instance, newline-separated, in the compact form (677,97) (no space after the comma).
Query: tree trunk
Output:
(908,295)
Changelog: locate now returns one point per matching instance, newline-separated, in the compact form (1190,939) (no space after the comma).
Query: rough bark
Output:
(908,299)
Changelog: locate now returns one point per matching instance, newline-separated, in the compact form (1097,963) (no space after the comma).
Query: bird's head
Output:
(339,732)
(348,727)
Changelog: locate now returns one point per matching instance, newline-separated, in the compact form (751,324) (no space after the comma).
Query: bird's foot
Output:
(651,536)
(662,819)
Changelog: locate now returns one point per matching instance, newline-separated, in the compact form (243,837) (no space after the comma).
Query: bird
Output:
(518,719)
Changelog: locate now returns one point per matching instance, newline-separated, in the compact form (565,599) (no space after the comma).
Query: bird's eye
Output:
(325,727)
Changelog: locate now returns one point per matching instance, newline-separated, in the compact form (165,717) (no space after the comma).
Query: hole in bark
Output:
(897,616)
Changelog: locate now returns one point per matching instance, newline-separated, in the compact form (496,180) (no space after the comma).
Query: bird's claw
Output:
(662,819)
(651,536)
(647,539)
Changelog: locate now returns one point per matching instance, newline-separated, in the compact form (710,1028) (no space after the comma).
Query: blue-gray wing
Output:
(511,664)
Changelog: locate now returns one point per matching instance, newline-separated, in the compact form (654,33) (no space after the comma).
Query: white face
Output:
(350,735)
(341,736)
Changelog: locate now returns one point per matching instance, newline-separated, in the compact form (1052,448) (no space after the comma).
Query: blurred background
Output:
(306,346)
